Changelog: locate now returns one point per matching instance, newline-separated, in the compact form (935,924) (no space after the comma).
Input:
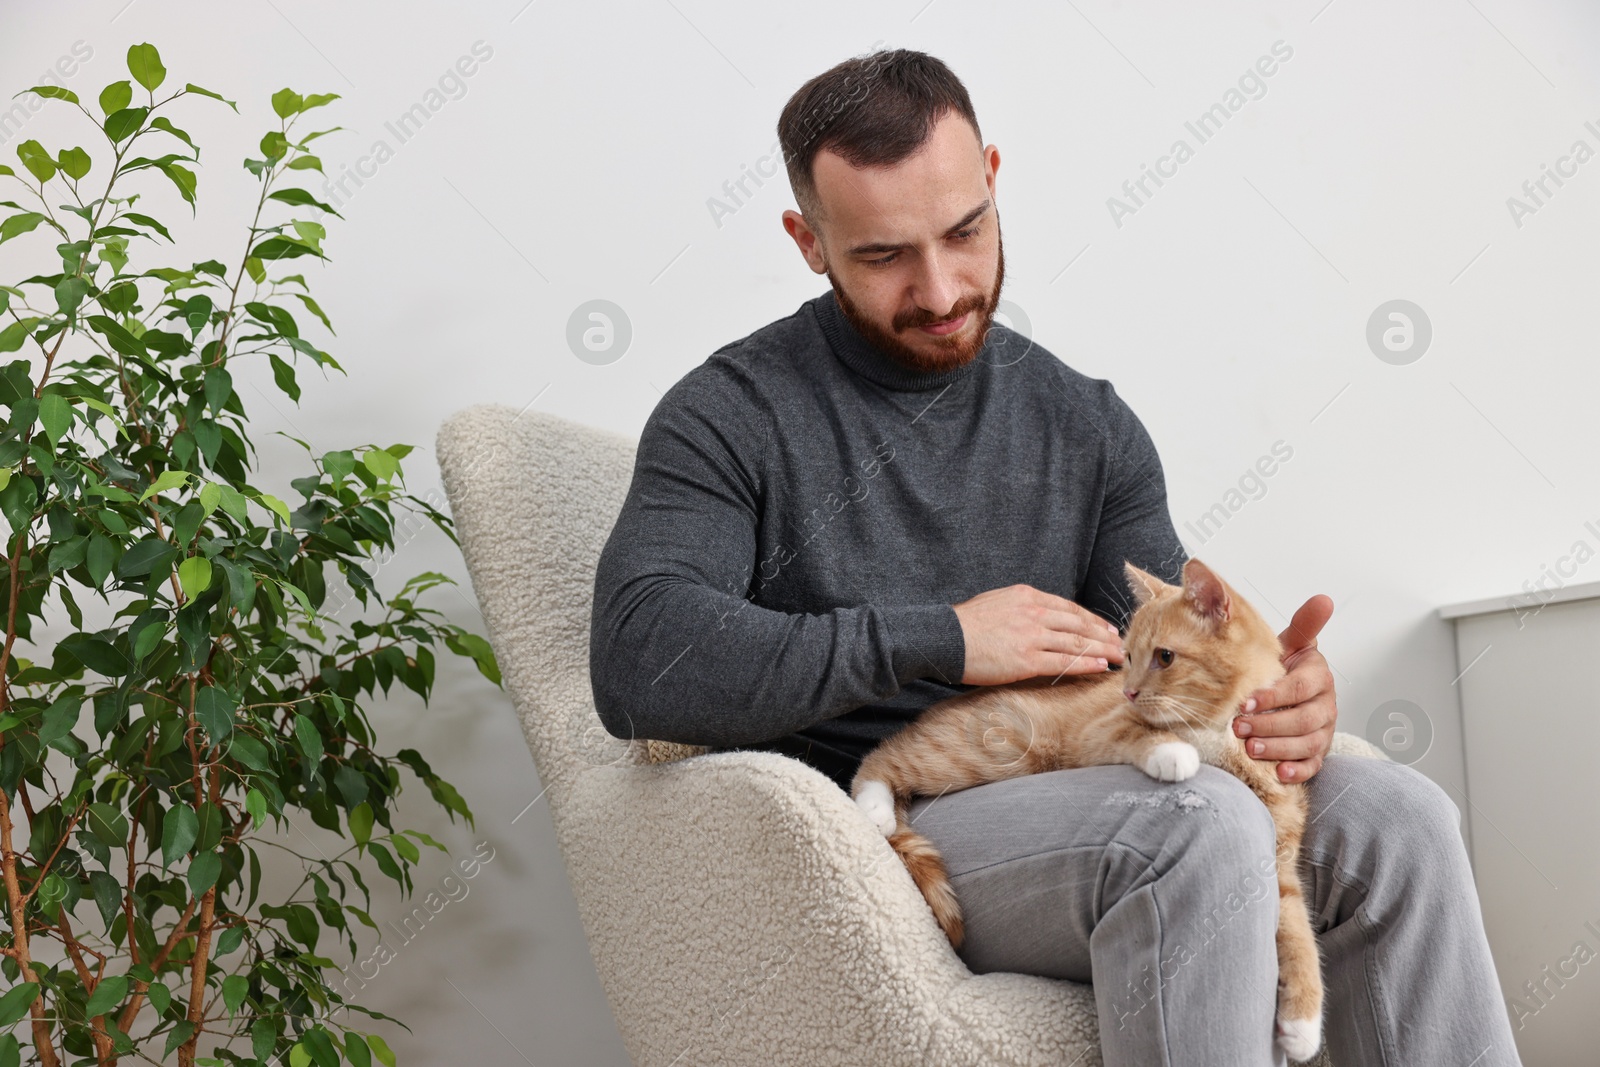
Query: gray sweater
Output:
(804,511)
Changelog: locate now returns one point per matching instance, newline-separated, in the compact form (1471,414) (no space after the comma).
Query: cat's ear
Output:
(1205,592)
(1146,586)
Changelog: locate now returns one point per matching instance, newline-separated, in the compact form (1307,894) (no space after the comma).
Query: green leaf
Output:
(160,997)
(17,225)
(307,737)
(311,305)
(301,198)
(467,644)
(10,1051)
(380,1049)
(317,100)
(214,708)
(120,125)
(256,804)
(108,994)
(382,465)
(194,576)
(181,1032)
(280,248)
(70,292)
(162,123)
(193,88)
(148,222)
(283,376)
(203,872)
(116,96)
(178,833)
(165,481)
(250,752)
(74,162)
(361,823)
(408,851)
(183,179)
(102,555)
(53,92)
(55,412)
(144,63)
(234,988)
(14,1004)
(276,506)
(285,102)
(218,387)
(107,895)
(306,163)
(117,336)
(274,145)
(59,718)
(37,160)
(145,556)
(356,1051)
(108,824)
(13,336)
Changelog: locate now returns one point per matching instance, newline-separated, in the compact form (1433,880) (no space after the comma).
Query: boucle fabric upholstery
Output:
(739,908)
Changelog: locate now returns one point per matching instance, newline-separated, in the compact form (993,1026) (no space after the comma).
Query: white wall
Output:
(1230,309)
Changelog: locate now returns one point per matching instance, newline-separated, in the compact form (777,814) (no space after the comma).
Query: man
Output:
(885,499)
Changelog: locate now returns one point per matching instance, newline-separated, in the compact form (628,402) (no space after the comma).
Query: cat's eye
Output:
(1162,657)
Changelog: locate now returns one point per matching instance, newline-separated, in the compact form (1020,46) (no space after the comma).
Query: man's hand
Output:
(1300,731)
(1021,632)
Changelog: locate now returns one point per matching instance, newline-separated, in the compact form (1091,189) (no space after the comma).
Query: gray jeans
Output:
(1155,893)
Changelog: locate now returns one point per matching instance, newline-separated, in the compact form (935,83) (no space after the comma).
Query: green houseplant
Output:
(142,755)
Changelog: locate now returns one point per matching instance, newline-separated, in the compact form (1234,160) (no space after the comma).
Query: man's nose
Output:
(1131,694)
(937,289)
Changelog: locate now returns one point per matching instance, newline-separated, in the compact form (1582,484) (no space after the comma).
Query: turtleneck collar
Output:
(871,362)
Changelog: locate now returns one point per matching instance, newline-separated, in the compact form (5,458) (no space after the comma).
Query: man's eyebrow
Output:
(961,223)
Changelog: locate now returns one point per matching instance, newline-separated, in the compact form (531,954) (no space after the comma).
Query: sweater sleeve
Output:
(1135,525)
(677,652)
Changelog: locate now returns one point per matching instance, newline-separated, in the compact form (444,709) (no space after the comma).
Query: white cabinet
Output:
(1530,712)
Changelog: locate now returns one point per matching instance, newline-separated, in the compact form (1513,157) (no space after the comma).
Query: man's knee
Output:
(1227,824)
(1389,799)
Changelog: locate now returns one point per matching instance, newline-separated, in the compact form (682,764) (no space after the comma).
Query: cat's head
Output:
(1195,651)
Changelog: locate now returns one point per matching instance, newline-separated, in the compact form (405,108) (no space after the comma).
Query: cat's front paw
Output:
(1172,761)
(877,803)
(1300,1038)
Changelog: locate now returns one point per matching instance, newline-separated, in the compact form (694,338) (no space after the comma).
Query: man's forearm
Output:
(676,661)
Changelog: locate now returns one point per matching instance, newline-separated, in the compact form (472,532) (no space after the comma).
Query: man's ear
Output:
(1205,592)
(1145,585)
(806,239)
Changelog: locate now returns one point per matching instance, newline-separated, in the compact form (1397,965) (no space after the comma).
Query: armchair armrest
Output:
(753,876)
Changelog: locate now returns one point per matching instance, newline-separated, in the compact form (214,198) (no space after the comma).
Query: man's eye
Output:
(884,261)
(1161,658)
(968,234)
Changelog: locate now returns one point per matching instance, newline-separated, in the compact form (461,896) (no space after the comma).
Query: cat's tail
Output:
(927,869)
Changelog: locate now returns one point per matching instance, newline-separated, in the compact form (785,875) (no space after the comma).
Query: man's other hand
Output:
(1021,632)
(1292,720)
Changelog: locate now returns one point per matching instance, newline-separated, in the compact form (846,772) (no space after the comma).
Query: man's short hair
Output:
(873,110)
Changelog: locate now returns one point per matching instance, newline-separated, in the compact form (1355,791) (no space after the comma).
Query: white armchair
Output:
(739,908)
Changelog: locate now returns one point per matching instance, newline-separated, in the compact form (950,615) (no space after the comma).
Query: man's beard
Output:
(955,350)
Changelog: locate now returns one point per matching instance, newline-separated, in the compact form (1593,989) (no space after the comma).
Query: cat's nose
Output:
(1131,694)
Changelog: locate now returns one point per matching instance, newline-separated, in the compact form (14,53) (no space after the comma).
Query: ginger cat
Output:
(1194,653)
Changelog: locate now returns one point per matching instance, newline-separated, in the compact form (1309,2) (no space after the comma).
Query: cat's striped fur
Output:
(1221,650)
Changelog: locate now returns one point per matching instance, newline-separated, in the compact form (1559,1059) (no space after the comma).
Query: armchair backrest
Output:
(534,497)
